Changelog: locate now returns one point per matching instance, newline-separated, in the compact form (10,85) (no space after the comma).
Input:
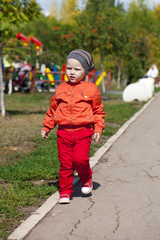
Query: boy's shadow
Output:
(77,189)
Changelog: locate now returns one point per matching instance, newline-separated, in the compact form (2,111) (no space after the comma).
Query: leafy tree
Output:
(68,10)
(156,11)
(141,24)
(99,29)
(140,18)
(114,4)
(121,49)
(12,14)
(46,34)
(137,57)
(54,9)
(153,40)
(128,42)
(58,38)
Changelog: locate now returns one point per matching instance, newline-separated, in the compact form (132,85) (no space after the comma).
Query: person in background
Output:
(153,71)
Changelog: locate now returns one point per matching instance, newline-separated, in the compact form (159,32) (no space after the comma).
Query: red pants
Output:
(73,151)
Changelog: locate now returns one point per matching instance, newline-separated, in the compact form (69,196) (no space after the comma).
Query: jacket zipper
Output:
(71,108)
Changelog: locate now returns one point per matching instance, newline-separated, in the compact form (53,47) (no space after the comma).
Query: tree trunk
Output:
(125,82)
(119,76)
(1,80)
(103,80)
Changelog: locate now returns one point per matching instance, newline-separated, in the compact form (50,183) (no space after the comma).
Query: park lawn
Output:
(29,165)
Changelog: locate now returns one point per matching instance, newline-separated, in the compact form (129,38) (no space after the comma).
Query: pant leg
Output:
(81,154)
(65,151)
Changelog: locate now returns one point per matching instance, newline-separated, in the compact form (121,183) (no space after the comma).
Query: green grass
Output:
(39,164)
(120,112)
(157,89)
(29,166)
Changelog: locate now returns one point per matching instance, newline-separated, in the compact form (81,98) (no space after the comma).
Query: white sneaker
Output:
(64,198)
(87,187)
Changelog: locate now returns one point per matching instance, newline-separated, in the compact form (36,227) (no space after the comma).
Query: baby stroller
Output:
(21,79)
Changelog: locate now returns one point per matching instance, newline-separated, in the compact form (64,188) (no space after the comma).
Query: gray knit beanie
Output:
(85,58)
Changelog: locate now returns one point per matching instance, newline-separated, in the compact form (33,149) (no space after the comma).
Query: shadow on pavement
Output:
(77,190)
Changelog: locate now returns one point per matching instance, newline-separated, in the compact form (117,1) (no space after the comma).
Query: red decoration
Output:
(55,28)
(22,37)
(26,40)
(94,30)
(37,42)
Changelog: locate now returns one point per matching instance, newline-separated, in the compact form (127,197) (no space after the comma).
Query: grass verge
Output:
(29,165)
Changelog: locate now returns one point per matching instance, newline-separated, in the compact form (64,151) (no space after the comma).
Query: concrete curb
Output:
(23,230)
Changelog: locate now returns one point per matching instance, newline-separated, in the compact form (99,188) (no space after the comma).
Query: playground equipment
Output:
(26,41)
(64,77)
(101,77)
(99,80)
(39,44)
(46,79)
(23,38)
(50,76)
(56,68)
(27,78)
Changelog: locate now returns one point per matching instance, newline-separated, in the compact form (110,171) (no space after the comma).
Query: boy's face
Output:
(74,70)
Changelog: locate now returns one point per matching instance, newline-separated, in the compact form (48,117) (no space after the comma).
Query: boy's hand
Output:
(44,134)
(97,137)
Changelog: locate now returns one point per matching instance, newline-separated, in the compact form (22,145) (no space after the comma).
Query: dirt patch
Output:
(114,125)
(49,182)
(18,135)
(102,141)
(28,211)
(27,147)
(138,104)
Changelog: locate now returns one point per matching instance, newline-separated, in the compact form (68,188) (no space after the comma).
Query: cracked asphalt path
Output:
(125,201)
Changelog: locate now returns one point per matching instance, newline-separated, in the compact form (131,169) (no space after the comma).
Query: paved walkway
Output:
(125,202)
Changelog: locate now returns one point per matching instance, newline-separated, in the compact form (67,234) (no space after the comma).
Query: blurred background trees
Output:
(124,41)
(13,14)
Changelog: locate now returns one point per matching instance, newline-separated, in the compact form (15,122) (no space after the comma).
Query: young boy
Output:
(77,109)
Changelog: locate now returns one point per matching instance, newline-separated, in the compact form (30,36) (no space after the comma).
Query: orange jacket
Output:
(75,106)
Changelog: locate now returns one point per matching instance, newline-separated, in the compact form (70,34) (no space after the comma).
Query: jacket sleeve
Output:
(49,122)
(98,113)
